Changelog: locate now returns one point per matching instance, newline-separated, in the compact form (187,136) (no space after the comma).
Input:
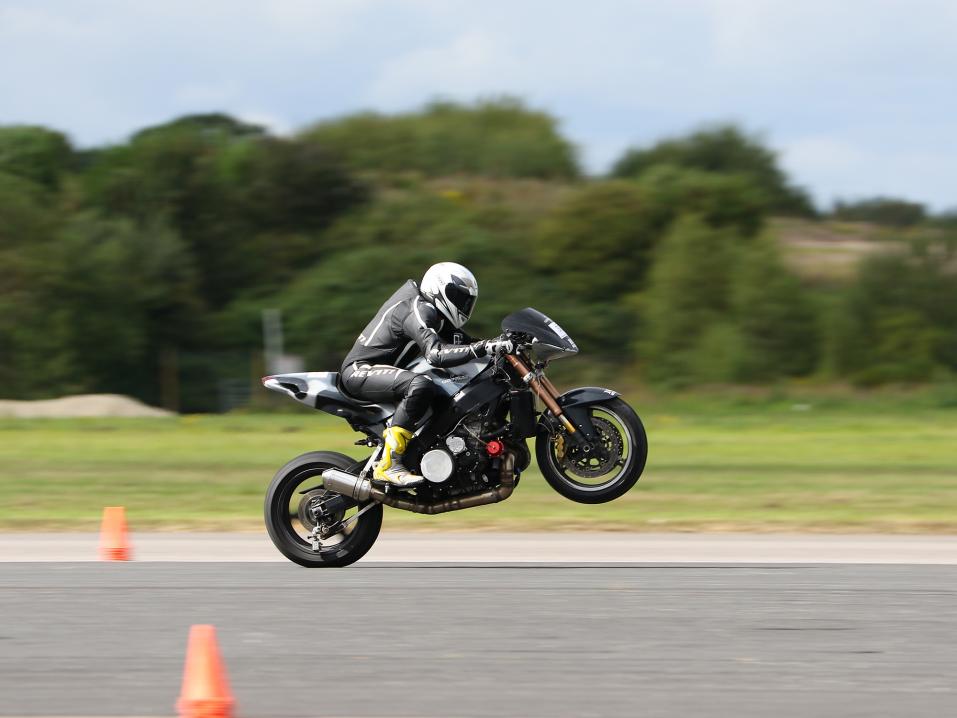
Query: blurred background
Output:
(742,211)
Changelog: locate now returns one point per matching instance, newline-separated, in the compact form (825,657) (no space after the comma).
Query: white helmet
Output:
(452,289)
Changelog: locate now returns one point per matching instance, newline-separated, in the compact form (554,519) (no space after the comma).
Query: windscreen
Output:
(534,323)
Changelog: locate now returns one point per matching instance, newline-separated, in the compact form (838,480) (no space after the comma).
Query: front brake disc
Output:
(593,465)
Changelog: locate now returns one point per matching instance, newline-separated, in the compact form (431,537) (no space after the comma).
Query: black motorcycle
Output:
(323,509)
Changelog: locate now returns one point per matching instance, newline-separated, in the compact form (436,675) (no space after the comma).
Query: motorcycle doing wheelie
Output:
(323,508)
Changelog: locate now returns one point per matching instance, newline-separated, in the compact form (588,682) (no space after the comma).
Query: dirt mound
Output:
(85,405)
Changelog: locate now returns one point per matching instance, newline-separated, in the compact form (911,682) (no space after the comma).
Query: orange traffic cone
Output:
(205,692)
(114,543)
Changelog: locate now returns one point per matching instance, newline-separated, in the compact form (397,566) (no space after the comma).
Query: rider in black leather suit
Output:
(414,320)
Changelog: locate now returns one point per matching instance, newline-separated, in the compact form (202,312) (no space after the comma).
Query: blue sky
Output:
(859,97)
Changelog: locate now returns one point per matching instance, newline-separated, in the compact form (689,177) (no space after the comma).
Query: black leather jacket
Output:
(405,326)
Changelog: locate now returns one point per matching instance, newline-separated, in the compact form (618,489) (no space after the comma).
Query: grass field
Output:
(766,465)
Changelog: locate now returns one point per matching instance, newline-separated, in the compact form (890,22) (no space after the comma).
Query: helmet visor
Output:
(460,298)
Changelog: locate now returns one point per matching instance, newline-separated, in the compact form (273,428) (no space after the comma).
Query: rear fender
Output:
(320,390)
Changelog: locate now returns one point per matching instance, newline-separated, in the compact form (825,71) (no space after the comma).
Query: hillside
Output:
(826,249)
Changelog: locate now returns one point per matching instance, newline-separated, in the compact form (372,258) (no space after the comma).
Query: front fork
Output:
(543,389)
(546,391)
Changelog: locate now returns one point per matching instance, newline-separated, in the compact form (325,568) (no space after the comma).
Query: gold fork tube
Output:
(543,388)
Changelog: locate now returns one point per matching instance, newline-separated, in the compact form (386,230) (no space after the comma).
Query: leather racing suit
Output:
(406,326)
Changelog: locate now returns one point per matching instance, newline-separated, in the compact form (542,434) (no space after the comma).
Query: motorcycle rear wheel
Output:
(590,479)
(299,481)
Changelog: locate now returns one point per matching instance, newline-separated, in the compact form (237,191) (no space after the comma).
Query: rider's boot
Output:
(390,468)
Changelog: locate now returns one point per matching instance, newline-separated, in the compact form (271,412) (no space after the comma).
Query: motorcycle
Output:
(323,509)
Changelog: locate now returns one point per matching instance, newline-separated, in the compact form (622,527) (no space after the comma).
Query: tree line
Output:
(132,267)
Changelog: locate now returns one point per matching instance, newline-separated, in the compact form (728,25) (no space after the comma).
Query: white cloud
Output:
(843,169)
(856,95)
(470,64)
(822,153)
(207,94)
(272,122)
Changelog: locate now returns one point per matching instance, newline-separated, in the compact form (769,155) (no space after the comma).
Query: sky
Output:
(858,97)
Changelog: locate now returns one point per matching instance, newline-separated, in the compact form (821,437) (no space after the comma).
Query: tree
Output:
(598,242)
(497,138)
(721,200)
(776,322)
(36,154)
(723,150)
(688,292)
(25,213)
(291,185)
(214,124)
(232,194)
(107,295)
(380,247)
(27,227)
(899,298)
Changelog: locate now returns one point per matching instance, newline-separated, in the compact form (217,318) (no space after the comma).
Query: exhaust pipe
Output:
(362,489)
(346,484)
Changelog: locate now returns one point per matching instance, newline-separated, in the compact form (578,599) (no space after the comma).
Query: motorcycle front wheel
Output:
(605,472)
(289,511)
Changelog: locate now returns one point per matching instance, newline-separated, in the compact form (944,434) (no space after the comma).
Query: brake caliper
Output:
(560,446)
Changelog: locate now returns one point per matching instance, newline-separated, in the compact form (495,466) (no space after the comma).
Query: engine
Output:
(462,463)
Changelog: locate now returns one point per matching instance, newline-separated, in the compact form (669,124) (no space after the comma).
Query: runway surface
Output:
(108,639)
(495,547)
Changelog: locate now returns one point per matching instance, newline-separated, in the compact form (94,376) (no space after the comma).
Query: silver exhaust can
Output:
(346,484)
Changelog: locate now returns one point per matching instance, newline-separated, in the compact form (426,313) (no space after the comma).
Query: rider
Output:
(416,319)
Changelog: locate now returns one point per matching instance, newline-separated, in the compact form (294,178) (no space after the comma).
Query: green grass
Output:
(756,464)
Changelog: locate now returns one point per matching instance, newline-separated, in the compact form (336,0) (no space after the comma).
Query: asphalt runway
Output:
(499,547)
(108,639)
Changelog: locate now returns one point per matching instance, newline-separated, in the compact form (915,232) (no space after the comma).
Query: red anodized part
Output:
(495,448)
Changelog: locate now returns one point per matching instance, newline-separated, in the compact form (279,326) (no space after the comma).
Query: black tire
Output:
(352,547)
(634,464)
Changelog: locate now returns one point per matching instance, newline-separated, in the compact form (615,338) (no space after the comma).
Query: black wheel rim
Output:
(289,512)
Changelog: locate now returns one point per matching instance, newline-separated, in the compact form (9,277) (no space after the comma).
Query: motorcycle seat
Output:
(351,398)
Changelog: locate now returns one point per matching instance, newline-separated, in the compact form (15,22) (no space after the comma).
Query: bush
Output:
(881,210)
(904,350)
